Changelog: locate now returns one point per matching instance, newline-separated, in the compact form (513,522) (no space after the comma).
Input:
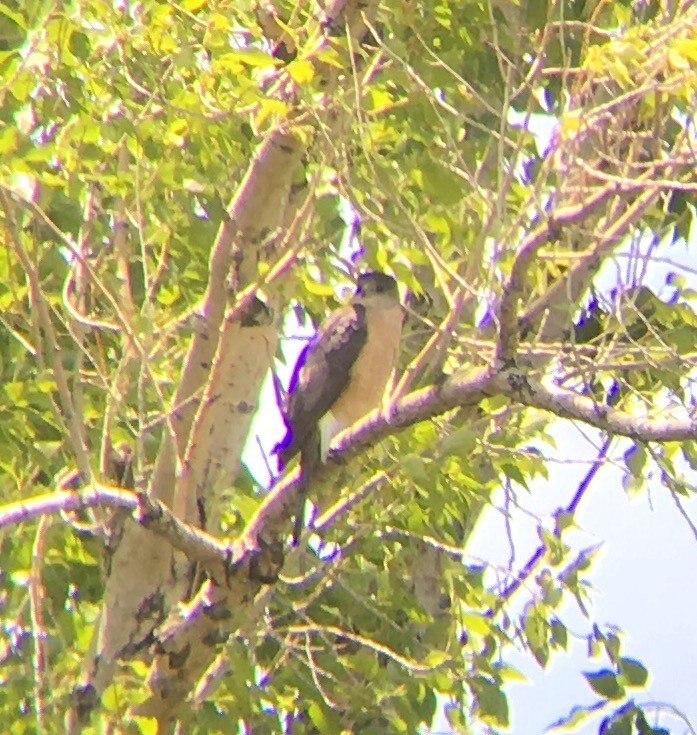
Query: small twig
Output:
(37,594)
(68,414)
(438,340)
(528,569)
(94,277)
(343,505)
(77,315)
(507,523)
(314,673)
(684,513)
(28,346)
(628,185)
(669,481)
(414,667)
(671,709)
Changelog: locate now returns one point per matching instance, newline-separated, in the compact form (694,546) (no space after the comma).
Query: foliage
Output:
(176,181)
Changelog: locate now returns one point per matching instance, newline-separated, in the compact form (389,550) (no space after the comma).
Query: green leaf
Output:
(635,459)
(79,45)
(536,628)
(437,658)
(474,623)
(560,634)
(634,673)
(318,288)
(16,392)
(301,71)
(576,717)
(605,683)
(513,472)
(248,56)
(9,140)
(16,18)
(491,702)
(414,467)
(324,719)
(621,721)
(563,521)
(510,673)
(633,485)
(460,442)
(619,726)
(443,184)
(613,645)
(643,727)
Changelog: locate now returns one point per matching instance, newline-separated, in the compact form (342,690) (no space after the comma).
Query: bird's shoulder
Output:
(334,348)
(345,324)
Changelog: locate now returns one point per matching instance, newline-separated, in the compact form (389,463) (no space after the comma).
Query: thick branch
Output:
(462,389)
(254,210)
(251,218)
(508,322)
(242,567)
(569,405)
(146,579)
(274,514)
(245,348)
(198,545)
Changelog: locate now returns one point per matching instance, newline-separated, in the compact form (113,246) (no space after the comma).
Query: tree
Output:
(177,180)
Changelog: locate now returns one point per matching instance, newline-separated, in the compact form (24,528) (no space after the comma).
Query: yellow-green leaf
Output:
(474,623)
(301,71)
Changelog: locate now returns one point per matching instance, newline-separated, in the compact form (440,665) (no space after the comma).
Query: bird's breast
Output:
(373,367)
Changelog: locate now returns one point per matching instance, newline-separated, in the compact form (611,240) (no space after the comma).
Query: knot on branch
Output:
(149,511)
(266,561)
(518,383)
(85,700)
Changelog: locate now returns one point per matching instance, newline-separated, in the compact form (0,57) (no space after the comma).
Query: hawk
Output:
(341,374)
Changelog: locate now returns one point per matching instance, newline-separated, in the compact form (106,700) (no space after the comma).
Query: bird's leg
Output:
(300,507)
(310,456)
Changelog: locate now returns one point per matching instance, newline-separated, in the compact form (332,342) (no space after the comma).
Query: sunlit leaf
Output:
(492,703)
(605,683)
(301,71)
(634,673)
(576,717)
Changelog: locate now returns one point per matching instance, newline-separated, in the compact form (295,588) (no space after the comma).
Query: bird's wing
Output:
(321,375)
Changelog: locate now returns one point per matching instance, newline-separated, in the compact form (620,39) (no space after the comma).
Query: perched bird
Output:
(341,374)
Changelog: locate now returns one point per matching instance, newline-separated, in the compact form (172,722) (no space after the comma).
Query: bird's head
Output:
(375,283)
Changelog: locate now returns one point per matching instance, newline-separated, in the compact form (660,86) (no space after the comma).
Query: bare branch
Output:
(508,322)
(47,343)
(37,594)
(529,567)
(567,404)
(153,515)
